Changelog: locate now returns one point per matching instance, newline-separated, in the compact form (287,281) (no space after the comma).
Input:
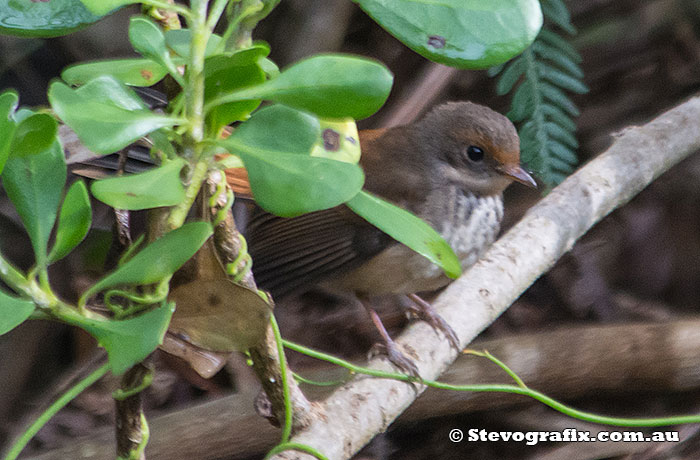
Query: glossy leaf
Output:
(73,221)
(43,19)
(132,72)
(13,311)
(331,86)
(158,260)
(469,34)
(102,7)
(226,73)
(147,38)
(34,134)
(8,104)
(106,115)
(131,340)
(275,146)
(408,229)
(278,129)
(34,184)
(151,189)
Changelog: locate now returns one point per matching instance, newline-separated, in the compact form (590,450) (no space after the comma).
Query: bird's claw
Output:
(397,358)
(425,311)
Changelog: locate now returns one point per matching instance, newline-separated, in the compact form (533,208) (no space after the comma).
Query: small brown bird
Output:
(450,169)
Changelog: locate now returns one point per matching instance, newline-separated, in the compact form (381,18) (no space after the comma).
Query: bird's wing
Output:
(292,254)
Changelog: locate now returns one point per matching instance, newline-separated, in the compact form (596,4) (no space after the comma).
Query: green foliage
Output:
(105,114)
(73,221)
(34,183)
(407,228)
(469,34)
(43,19)
(132,72)
(8,105)
(129,341)
(149,41)
(13,311)
(156,261)
(331,86)
(151,189)
(542,76)
(276,145)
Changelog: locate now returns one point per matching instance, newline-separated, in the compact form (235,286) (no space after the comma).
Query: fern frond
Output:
(543,76)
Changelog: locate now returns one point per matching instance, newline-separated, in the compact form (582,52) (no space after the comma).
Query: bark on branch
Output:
(365,407)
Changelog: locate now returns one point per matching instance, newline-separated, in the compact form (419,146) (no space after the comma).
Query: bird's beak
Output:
(517,173)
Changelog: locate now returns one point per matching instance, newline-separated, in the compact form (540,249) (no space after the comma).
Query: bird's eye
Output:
(475,153)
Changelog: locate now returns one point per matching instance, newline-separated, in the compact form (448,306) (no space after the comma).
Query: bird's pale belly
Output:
(472,226)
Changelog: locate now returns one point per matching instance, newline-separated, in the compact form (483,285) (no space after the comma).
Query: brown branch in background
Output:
(420,96)
(593,360)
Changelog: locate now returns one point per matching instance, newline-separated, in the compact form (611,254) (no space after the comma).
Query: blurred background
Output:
(611,329)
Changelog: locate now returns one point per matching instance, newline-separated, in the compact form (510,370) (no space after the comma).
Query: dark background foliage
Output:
(641,265)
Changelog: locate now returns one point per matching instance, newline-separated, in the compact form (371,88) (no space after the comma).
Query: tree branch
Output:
(365,407)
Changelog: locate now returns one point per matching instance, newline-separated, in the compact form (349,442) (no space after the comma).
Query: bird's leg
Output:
(425,311)
(388,346)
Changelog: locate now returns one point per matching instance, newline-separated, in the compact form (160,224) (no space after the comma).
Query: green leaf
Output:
(34,134)
(8,104)
(147,38)
(132,72)
(106,115)
(151,189)
(289,185)
(13,311)
(102,7)
(275,146)
(34,184)
(331,86)
(522,104)
(558,97)
(558,116)
(469,34)
(156,261)
(559,133)
(563,80)
(43,19)
(224,74)
(129,341)
(278,129)
(514,70)
(180,40)
(556,11)
(73,221)
(407,229)
(552,39)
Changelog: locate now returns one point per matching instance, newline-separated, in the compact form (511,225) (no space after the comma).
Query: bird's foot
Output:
(396,357)
(425,311)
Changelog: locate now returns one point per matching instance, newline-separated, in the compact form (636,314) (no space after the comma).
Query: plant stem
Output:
(61,402)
